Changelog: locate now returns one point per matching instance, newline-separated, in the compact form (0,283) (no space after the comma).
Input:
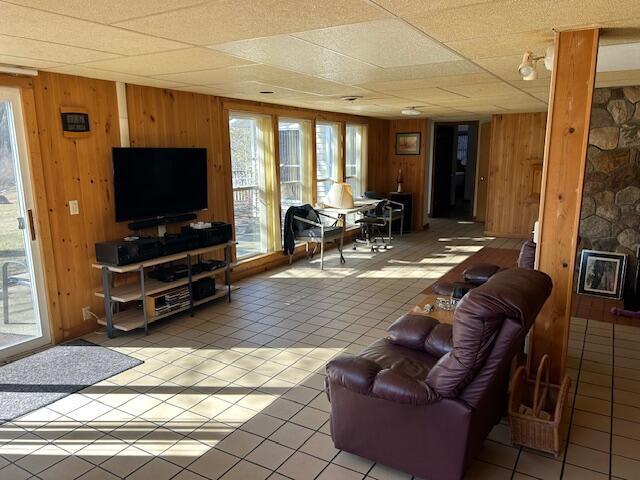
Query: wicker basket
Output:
(536,409)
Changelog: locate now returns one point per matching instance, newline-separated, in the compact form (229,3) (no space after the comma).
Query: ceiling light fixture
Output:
(16,70)
(411,111)
(527,68)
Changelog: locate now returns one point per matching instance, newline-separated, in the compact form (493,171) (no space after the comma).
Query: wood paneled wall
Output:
(515,173)
(414,167)
(81,169)
(378,173)
(76,169)
(169,118)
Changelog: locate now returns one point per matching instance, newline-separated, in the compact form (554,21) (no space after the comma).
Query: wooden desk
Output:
(443,316)
(359,206)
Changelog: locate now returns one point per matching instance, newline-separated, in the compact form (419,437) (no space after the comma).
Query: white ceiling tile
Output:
(429,95)
(173,61)
(254,88)
(106,11)
(384,43)
(485,20)
(439,81)
(25,62)
(26,22)
(227,20)
(412,72)
(502,45)
(83,71)
(317,86)
(51,52)
(413,8)
(258,72)
(291,53)
(310,53)
(483,90)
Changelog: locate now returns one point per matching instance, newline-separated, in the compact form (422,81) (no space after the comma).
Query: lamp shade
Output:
(339,196)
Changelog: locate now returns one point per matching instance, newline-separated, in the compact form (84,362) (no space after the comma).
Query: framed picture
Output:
(408,143)
(602,273)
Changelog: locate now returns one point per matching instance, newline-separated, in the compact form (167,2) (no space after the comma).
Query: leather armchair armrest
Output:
(393,386)
(411,331)
(366,377)
(422,333)
(440,341)
(355,373)
(480,273)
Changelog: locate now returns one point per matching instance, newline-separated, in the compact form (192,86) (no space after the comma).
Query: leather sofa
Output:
(478,274)
(424,399)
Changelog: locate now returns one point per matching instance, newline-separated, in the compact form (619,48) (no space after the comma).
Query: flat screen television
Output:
(156,182)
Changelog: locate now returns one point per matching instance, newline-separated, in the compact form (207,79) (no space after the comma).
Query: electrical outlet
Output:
(73,207)
(86,313)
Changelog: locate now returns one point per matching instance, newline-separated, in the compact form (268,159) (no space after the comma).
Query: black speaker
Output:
(203,288)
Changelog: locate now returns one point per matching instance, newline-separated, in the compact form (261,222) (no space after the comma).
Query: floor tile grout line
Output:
(573,403)
(238,342)
(613,386)
(515,465)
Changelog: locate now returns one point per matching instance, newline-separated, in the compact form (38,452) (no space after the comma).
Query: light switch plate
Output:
(73,207)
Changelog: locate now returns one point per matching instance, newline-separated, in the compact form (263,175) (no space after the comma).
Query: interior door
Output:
(444,152)
(24,322)
(483,171)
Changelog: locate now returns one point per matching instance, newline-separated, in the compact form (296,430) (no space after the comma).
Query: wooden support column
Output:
(562,181)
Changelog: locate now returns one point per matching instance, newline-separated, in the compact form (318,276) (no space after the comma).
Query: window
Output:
(355,166)
(355,172)
(295,164)
(252,176)
(327,158)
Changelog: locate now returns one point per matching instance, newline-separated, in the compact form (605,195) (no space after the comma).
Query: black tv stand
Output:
(164,220)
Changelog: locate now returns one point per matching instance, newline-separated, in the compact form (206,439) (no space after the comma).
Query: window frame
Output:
(266,190)
(306,161)
(361,162)
(337,170)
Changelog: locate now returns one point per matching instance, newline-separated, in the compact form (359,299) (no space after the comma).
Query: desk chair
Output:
(307,226)
(392,211)
(371,226)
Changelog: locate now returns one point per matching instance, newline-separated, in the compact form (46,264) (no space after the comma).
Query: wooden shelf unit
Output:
(133,318)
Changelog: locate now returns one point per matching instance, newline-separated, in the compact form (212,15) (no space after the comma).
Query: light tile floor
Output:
(236,392)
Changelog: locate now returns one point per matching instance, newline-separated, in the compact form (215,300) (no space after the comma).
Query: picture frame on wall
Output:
(602,274)
(408,143)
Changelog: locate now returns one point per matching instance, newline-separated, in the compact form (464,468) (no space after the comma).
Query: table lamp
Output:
(339,196)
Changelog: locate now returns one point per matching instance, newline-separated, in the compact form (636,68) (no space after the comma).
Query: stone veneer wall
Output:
(610,216)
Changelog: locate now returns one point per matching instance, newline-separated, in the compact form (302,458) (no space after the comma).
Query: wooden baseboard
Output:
(508,235)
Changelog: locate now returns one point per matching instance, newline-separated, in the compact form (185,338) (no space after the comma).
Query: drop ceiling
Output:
(455,59)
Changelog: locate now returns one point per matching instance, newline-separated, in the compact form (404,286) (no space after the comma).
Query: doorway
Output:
(24,322)
(455,152)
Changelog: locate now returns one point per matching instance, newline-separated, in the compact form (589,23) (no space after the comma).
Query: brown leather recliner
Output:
(424,399)
(479,273)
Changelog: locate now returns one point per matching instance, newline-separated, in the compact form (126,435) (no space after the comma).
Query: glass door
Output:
(23,318)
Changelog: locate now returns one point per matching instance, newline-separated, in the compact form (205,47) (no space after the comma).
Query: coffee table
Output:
(443,316)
